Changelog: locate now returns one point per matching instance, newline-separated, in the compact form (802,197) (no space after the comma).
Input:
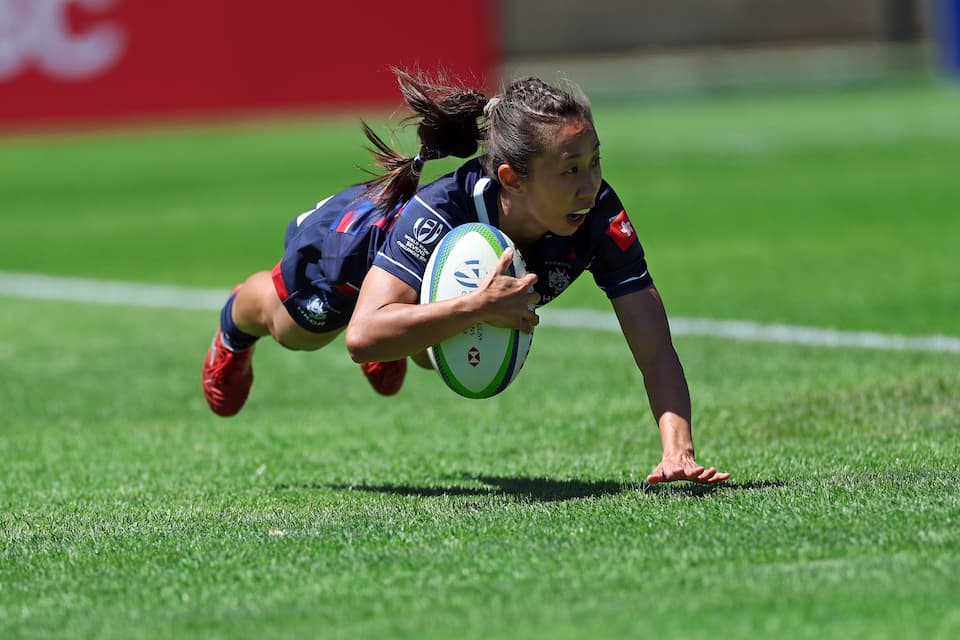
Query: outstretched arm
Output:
(644,323)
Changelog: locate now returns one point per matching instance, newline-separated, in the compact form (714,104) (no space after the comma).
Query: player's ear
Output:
(509,179)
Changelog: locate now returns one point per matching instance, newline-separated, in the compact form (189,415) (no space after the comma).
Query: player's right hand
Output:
(508,302)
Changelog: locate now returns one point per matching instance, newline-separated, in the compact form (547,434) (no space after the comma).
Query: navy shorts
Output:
(317,305)
(324,262)
(303,280)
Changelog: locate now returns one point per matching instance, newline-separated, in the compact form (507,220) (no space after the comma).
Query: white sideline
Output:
(82,290)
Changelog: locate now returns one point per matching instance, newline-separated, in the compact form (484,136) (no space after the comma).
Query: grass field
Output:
(127,510)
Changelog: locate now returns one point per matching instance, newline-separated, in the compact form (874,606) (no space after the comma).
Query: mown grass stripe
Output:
(89,291)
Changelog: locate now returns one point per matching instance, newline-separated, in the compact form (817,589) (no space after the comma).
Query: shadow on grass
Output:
(540,489)
(699,490)
(532,489)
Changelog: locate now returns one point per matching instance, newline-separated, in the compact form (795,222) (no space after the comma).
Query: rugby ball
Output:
(482,360)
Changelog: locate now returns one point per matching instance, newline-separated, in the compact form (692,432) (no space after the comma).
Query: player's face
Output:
(565,179)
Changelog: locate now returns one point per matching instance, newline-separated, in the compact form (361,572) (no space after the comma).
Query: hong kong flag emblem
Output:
(621,231)
(473,357)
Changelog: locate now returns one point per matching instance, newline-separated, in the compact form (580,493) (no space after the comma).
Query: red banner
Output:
(99,60)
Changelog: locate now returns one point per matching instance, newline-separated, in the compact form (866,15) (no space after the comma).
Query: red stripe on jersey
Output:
(385,222)
(347,289)
(380,222)
(278,283)
(346,221)
(621,231)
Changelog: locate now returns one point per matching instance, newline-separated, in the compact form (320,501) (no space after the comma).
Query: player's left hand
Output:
(684,467)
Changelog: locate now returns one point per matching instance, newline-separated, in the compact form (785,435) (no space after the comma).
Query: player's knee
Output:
(298,342)
(292,336)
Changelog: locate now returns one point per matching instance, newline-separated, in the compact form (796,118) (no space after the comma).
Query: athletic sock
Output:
(233,338)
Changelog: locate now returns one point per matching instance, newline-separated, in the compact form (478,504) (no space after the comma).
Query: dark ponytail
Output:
(447,125)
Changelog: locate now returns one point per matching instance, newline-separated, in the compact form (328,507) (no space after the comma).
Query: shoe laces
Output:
(224,360)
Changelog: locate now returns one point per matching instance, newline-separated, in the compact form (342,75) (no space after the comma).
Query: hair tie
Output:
(416,168)
(490,106)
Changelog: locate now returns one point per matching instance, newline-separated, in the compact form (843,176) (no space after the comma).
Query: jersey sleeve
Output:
(411,241)
(619,265)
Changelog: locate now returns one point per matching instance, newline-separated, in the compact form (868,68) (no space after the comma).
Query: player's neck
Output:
(514,221)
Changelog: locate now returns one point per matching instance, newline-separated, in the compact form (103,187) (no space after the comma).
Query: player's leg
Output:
(422,360)
(253,310)
(387,377)
(309,320)
(259,311)
(227,368)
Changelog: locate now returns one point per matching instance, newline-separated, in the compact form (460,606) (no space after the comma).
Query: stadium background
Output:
(76,61)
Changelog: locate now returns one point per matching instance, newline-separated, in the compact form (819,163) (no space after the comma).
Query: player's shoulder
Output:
(436,209)
(607,199)
(608,206)
(611,230)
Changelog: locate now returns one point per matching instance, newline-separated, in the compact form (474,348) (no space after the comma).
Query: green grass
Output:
(128,511)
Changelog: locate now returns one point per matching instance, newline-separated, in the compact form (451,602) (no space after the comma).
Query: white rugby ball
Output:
(482,360)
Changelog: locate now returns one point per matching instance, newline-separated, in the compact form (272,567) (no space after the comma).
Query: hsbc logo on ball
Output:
(473,357)
(37,33)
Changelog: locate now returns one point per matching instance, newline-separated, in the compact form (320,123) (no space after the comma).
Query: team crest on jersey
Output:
(427,230)
(316,311)
(621,231)
(425,233)
(558,280)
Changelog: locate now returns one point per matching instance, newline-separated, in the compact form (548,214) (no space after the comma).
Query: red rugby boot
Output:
(227,377)
(385,377)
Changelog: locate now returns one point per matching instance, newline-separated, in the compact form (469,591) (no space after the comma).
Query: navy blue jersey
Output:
(327,252)
(329,249)
(605,244)
(337,240)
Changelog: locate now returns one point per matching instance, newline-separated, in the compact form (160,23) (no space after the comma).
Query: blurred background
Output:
(83,61)
(671,46)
